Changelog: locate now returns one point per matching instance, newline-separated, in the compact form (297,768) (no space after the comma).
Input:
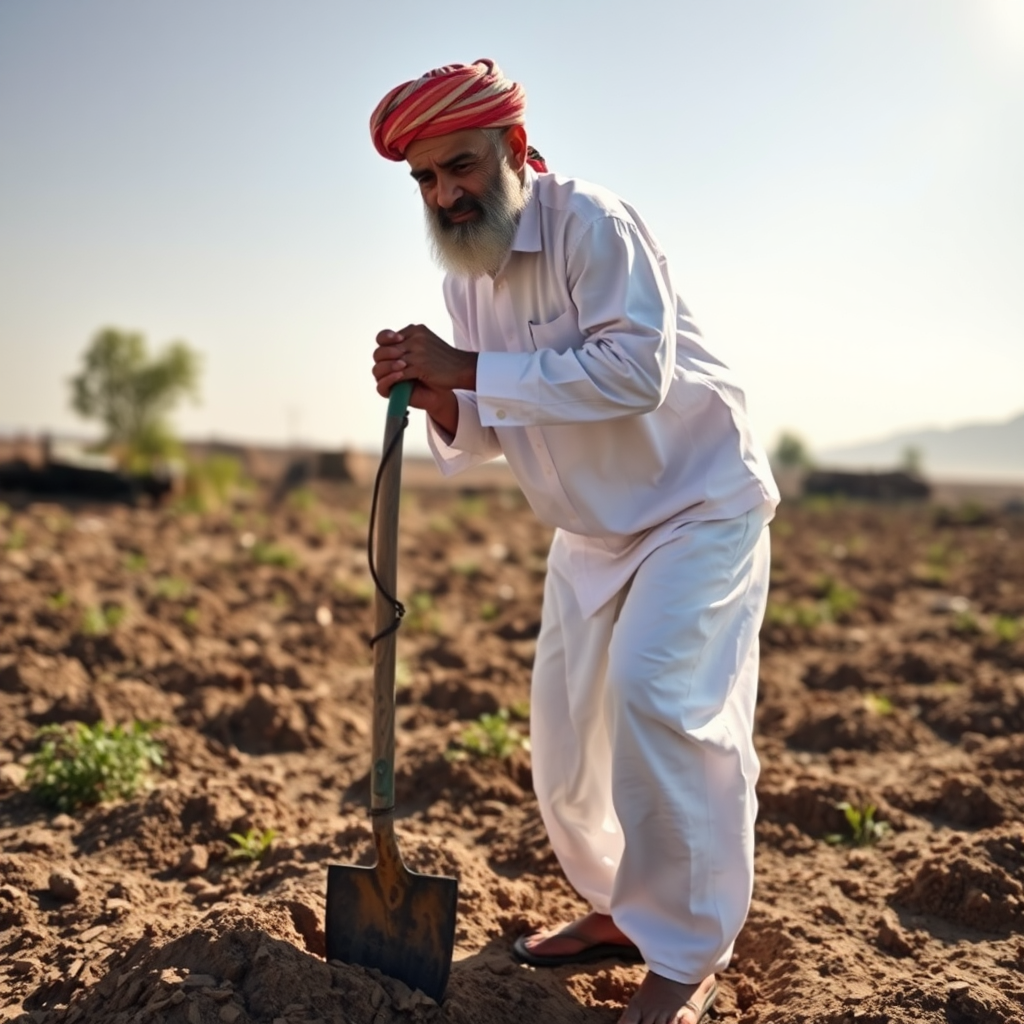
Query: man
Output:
(574,358)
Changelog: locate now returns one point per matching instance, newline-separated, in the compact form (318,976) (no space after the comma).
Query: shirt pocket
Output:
(560,334)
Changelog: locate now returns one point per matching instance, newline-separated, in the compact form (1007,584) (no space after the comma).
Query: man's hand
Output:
(436,368)
(416,353)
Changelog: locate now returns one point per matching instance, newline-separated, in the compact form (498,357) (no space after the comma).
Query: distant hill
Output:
(977,451)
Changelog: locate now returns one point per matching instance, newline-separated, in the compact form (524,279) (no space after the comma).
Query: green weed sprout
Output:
(420,614)
(90,764)
(16,540)
(251,845)
(173,588)
(58,601)
(840,600)
(264,553)
(801,614)
(302,499)
(520,709)
(864,830)
(135,561)
(99,621)
(490,736)
(1006,629)
(878,704)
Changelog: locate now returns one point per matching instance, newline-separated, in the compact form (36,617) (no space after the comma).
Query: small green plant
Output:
(420,614)
(302,499)
(864,830)
(212,482)
(1006,629)
(251,845)
(266,553)
(97,621)
(802,614)
(467,567)
(172,588)
(878,704)
(87,764)
(839,601)
(135,561)
(471,506)
(358,590)
(59,601)
(491,735)
(520,709)
(440,523)
(16,540)
(190,617)
(489,611)
(114,615)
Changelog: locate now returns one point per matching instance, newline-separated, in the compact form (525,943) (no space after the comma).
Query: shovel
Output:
(387,916)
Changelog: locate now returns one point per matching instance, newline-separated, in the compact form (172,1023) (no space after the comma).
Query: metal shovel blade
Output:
(391,918)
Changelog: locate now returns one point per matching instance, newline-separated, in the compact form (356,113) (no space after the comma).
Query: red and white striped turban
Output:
(446,100)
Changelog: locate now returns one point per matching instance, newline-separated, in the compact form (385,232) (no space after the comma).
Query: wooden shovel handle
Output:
(382,776)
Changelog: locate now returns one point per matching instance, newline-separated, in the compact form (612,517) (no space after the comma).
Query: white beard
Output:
(479,247)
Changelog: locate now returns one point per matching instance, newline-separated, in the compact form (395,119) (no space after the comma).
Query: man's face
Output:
(472,199)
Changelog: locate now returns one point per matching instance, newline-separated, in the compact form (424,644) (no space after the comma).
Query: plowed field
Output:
(893,676)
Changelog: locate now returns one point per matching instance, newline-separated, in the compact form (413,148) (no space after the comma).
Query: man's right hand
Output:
(391,366)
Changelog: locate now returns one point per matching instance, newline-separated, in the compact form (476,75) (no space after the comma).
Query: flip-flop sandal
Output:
(701,1011)
(587,955)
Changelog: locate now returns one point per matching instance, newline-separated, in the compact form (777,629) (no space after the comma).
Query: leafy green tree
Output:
(790,451)
(132,393)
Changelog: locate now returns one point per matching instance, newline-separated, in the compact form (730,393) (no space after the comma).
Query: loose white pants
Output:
(643,757)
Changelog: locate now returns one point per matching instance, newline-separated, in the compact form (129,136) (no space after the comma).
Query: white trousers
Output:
(643,756)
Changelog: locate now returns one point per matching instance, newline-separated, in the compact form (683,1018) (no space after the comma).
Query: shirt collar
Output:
(527,238)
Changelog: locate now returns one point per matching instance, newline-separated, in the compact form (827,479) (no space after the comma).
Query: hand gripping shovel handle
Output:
(387,610)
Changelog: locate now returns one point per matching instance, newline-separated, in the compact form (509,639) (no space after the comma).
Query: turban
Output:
(445,100)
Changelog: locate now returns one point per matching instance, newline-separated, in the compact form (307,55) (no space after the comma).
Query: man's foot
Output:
(661,1001)
(593,937)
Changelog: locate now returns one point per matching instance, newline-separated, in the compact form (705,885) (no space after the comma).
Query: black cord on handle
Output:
(391,599)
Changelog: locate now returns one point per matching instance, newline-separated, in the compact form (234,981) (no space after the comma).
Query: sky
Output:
(837,187)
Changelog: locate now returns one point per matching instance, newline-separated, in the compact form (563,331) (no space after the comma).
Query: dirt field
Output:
(893,675)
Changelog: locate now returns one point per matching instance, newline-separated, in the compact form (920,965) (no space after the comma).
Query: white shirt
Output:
(594,382)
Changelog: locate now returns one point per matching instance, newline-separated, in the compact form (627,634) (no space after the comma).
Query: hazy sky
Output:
(838,187)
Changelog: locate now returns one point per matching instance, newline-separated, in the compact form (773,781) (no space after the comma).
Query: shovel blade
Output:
(394,919)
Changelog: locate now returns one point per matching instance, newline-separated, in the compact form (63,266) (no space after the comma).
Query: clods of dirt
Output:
(892,683)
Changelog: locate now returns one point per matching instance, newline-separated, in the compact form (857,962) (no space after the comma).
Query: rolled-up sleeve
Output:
(617,358)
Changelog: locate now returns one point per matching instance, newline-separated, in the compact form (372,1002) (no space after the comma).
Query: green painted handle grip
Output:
(398,400)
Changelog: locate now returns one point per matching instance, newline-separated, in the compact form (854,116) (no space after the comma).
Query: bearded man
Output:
(574,358)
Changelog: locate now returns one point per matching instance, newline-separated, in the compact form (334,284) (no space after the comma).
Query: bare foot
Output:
(592,930)
(661,1001)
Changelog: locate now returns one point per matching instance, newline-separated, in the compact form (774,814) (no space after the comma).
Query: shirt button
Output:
(500,414)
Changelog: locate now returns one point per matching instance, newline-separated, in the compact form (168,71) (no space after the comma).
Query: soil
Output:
(892,675)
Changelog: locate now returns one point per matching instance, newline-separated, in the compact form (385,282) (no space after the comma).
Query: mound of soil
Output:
(893,677)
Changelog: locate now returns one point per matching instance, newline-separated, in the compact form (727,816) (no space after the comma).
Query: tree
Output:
(131,393)
(912,460)
(791,452)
